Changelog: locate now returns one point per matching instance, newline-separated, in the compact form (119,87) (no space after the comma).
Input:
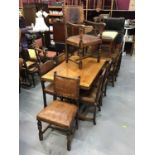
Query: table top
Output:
(88,73)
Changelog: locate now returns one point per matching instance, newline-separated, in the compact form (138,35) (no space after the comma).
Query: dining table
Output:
(90,70)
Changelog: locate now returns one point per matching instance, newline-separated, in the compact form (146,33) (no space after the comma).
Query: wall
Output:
(123,4)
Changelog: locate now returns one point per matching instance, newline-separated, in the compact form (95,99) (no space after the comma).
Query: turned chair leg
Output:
(44,98)
(69,141)
(113,79)
(105,90)
(94,117)
(76,123)
(40,130)
(33,81)
(80,64)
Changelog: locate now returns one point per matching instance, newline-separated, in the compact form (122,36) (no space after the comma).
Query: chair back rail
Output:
(66,87)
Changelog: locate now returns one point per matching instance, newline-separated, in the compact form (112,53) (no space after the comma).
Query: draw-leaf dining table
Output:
(91,68)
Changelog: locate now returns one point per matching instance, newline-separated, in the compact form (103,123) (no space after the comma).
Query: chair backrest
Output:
(74,14)
(115,24)
(60,58)
(45,67)
(38,43)
(100,84)
(66,87)
(32,54)
(108,66)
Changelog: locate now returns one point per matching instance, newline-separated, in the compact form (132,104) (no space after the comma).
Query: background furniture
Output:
(55,16)
(113,31)
(117,25)
(90,11)
(129,38)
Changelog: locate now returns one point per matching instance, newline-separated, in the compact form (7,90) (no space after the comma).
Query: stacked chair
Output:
(79,35)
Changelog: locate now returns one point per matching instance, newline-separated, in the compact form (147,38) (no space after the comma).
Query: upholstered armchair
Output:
(116,24)
(114,30)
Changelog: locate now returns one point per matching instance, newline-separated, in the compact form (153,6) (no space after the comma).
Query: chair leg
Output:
(40,130)
(98,53)
(105,90)
(113,79)
(94,117)
(32,75)
(76,123)
(99,107)
(80,64)
(99,103)
(69,141)
(66,48)
(44,98)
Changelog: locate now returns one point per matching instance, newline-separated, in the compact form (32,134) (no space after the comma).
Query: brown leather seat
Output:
(88,96)
(58,113)
(87,40)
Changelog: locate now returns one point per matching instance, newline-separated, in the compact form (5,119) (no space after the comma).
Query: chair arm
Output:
(81,27)
(98,27)
(95,23)
(39,50)
(74,25)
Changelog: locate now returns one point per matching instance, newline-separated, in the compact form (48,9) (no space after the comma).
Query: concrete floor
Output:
(113,135)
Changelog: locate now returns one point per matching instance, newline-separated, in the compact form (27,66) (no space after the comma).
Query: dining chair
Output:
(62,114)
(92,97)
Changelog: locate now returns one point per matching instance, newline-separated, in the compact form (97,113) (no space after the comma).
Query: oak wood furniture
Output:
(114,70)
(87,74)
(76,36)
(93,97)
(62,114)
